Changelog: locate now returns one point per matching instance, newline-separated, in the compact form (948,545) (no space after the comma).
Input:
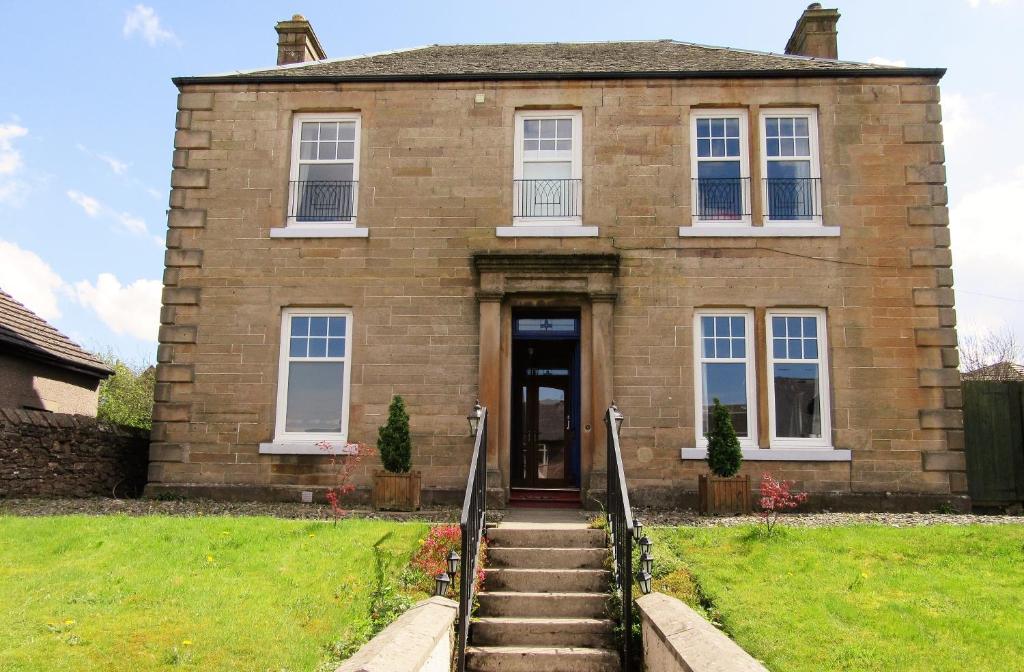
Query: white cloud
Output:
(92,207)
(978,3)
(132,309)
(959,119)
(10,162)
(987,238)
(119,167)
(30,280)
(882,60)
(143,20)
(132,223)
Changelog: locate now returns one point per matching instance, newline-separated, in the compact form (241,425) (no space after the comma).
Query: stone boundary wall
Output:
(62,455)
(421,640)
(678,639)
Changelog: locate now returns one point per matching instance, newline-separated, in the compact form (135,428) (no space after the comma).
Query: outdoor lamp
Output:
(453,563)
(616,417)
(644,579)
(474,417)
(647,563)
(441,583)
(645,544)
(638,530)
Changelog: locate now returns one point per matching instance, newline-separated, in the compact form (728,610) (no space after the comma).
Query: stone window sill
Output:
(778,454)
(553,231)
(730,231)
(296,447)
(320,231)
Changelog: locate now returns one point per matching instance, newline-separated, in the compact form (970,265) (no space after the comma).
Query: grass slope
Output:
(119,593)
(862,598)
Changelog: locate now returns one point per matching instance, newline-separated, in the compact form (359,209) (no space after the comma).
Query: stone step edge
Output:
(564,594)
(526,620)
(544,650)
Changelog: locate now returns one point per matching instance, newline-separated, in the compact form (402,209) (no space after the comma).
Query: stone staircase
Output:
(543,603)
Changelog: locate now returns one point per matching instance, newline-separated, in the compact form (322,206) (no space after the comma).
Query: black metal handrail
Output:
(474,508)
(792,198)
(547,198)
(620,526)
(321,200)
(721,198)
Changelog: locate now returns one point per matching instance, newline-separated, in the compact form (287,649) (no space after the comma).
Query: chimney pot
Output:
(815,33)
(296,42)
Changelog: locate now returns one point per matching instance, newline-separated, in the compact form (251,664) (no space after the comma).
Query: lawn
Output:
(117,593)
(858,597)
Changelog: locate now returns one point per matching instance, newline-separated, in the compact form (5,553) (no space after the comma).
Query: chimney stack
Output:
(296,42)
(815,33)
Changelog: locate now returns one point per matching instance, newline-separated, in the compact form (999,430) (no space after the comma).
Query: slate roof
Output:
(23,331)
(997,371)
(560,60)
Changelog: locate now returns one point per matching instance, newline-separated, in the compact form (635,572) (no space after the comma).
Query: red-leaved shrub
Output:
(777,496)
(432,556)
(347,463)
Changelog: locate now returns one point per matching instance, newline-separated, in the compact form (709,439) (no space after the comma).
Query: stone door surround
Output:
(587,282)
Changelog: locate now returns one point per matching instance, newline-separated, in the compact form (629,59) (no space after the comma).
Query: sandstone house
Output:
(549,228)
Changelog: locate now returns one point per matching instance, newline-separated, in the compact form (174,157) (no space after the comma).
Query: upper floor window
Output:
(798,388)
(314,374)
(725,371)
(324,169)
(790,166)
(548,171)
(719,166)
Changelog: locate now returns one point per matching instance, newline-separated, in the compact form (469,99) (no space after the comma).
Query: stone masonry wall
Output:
(61,455)
(435,182)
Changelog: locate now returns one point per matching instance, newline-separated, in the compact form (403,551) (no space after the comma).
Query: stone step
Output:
(543,605)
(572,632)
(546,537)
(540,659)
(547,580)
(547,558)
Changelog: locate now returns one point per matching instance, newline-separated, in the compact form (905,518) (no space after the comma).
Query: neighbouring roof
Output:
(997,371)
(32,336)
(560,60)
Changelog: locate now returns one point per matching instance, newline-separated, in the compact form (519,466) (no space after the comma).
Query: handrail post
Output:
(620,527)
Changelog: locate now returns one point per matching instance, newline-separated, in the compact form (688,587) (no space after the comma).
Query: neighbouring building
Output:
(42,369)
(549,228)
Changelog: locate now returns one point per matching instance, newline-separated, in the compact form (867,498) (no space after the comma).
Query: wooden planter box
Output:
(396,492)
(723,496)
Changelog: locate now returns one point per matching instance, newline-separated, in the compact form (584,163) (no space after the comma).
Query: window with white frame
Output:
(798,388)
(324,170)
(547,176)
(314,373)
(790,166)
(719,165)
(725,371)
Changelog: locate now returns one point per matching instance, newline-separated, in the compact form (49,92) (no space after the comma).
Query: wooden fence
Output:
(994,438)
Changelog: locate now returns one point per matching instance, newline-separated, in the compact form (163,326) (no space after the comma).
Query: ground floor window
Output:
(314,373)
(798,389)
(725,370)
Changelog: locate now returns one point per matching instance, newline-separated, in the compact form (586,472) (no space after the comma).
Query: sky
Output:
(87,120)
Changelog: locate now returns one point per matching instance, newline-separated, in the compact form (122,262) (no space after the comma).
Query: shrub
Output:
(777,496)
(724,455)
(126,397)
(432,556)
(393,440)
(346,465)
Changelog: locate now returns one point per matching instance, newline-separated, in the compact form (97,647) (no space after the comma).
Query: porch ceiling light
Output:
(474,417)
(645,544)
(441,583)
(647,563)
(644,579)
(617,417)
(453,563)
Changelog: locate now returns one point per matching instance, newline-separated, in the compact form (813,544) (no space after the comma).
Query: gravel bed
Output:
(200,507)
(689,518)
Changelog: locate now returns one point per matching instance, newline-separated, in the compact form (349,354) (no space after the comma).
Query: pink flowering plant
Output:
(346,463)
(776,497)
(432,556)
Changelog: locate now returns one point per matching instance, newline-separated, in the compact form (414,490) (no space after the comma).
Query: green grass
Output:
(206,593)
(857,598)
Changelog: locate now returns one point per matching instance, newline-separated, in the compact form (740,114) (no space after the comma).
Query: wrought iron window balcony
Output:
(554,199)
(790,199)
(721,198)
(321,201)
